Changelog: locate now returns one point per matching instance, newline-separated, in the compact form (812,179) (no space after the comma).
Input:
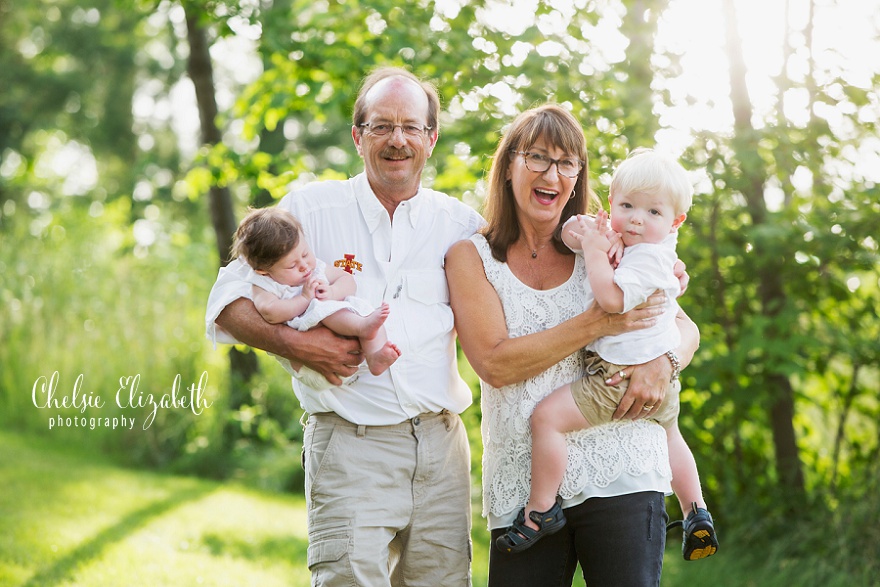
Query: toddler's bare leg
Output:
(552,418)
(685,477)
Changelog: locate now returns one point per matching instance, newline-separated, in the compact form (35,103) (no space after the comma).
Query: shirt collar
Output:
(373,211)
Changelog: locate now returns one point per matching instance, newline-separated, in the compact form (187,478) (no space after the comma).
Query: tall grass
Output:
(80,297)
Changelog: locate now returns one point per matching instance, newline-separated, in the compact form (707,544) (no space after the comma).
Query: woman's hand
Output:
(642,316)
(680,271)
(647,388)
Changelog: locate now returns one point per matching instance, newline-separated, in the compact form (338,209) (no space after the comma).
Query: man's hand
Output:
(333,356)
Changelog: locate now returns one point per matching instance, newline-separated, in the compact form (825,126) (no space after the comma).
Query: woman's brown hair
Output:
(559,128)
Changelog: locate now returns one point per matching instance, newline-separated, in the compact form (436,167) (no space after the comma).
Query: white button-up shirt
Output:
(399,262)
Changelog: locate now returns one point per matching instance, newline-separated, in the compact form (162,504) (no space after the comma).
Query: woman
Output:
(516,293)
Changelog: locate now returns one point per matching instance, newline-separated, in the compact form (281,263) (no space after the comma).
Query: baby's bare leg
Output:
(379,353)
(348,323)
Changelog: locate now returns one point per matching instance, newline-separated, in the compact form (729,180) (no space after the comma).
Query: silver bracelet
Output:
(676,364)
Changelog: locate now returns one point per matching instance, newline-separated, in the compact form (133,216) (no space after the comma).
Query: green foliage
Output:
(817,250)
(67,66)
(313,70)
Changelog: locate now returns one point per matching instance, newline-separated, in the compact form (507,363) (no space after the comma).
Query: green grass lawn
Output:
(71,518)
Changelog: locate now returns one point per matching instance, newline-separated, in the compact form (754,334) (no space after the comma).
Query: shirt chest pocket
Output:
(427,287)
(429,321)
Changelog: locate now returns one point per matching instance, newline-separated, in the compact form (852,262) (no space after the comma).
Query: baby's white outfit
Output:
(314,314)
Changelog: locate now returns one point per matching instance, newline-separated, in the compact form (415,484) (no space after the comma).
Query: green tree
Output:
(786,268)
(67,76)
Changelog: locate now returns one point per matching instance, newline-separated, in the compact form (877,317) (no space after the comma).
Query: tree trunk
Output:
(242,364)
(846,405)
(771,292)
(201,73)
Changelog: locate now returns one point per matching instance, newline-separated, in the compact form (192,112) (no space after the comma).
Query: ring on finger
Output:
(622,374)
(647,408)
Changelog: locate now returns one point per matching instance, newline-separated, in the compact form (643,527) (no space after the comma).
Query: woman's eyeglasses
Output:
(538,163)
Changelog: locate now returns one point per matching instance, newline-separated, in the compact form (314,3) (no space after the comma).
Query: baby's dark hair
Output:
(265,236)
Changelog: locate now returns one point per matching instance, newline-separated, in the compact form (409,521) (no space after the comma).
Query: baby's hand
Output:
(615,253)
(321,289)
(309,287)
(593,234)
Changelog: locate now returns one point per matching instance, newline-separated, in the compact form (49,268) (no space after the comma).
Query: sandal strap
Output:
(520,536)
(519,533)
(549,517)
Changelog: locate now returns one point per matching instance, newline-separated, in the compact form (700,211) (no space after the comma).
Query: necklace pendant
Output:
(534,254)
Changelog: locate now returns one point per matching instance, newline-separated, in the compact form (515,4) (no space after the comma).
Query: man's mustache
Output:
(392,153)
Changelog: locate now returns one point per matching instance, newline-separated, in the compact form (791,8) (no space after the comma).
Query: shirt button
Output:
(416,421)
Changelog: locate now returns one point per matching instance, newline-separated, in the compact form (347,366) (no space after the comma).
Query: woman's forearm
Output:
(500,359)
(690,338)
(515,359)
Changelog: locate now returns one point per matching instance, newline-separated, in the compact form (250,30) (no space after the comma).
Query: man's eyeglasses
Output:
(380,129)
(538,163)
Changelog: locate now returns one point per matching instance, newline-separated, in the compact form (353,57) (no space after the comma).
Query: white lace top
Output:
(608,460)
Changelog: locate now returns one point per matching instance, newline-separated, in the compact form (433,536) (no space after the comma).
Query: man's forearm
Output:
(241,319)
(322,350)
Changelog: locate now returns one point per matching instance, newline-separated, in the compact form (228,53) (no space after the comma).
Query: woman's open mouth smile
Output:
(545,196)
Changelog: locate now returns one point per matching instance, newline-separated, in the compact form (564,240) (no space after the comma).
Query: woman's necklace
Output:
(535,251)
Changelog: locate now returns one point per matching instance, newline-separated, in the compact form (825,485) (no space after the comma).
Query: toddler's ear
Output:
(678,221)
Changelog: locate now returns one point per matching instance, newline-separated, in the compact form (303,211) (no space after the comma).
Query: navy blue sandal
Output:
(520,537)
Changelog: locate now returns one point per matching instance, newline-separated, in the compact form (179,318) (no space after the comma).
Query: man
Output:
(386,457)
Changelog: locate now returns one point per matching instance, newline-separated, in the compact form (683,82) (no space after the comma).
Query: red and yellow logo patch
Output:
(348,264)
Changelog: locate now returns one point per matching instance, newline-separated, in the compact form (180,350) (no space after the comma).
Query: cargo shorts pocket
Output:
(328,555)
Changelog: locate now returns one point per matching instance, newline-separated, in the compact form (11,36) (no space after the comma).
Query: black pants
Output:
(619,542)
